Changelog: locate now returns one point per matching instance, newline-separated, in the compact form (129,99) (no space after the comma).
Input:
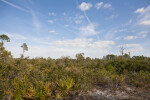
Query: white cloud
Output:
(141,34)
(78,42)
(107,5)
(119,30)
(99,5)
(145,22)
(139,10)
(70,47)
(55,51)
(85,6)
(144,16)
(101,44)
(51,21)
(52,31)
(15,49)
(59,48)
(130,37)
(84,43)
(103,5)
(52,14)
(88,30)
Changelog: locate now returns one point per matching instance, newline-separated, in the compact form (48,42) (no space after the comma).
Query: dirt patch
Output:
(127,93)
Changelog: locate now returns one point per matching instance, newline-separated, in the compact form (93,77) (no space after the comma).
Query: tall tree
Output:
(80,56)
(4,37)
(25,48)
(4,53)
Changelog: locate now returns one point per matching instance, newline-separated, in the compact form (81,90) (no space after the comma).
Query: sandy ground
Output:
(127,93)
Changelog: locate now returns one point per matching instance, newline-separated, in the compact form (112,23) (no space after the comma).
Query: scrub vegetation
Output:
(47,79)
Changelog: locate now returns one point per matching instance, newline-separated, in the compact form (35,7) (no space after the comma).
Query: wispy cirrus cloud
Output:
(141,34)
(78,18)
(99,5)
(90,29)
(15,6)
(144,16)
(36,22)
(107,5)
(103,5)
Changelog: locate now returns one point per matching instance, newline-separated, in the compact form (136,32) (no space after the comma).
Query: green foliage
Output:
(65,85)
(126,56)
(4,37)
(110,68)
(4,54)
(141,79)
(49,79)
(80,56)
(1,94)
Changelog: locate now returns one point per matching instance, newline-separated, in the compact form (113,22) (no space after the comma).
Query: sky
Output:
(57,28)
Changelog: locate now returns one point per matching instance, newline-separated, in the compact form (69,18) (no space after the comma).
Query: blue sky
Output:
(55,28)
